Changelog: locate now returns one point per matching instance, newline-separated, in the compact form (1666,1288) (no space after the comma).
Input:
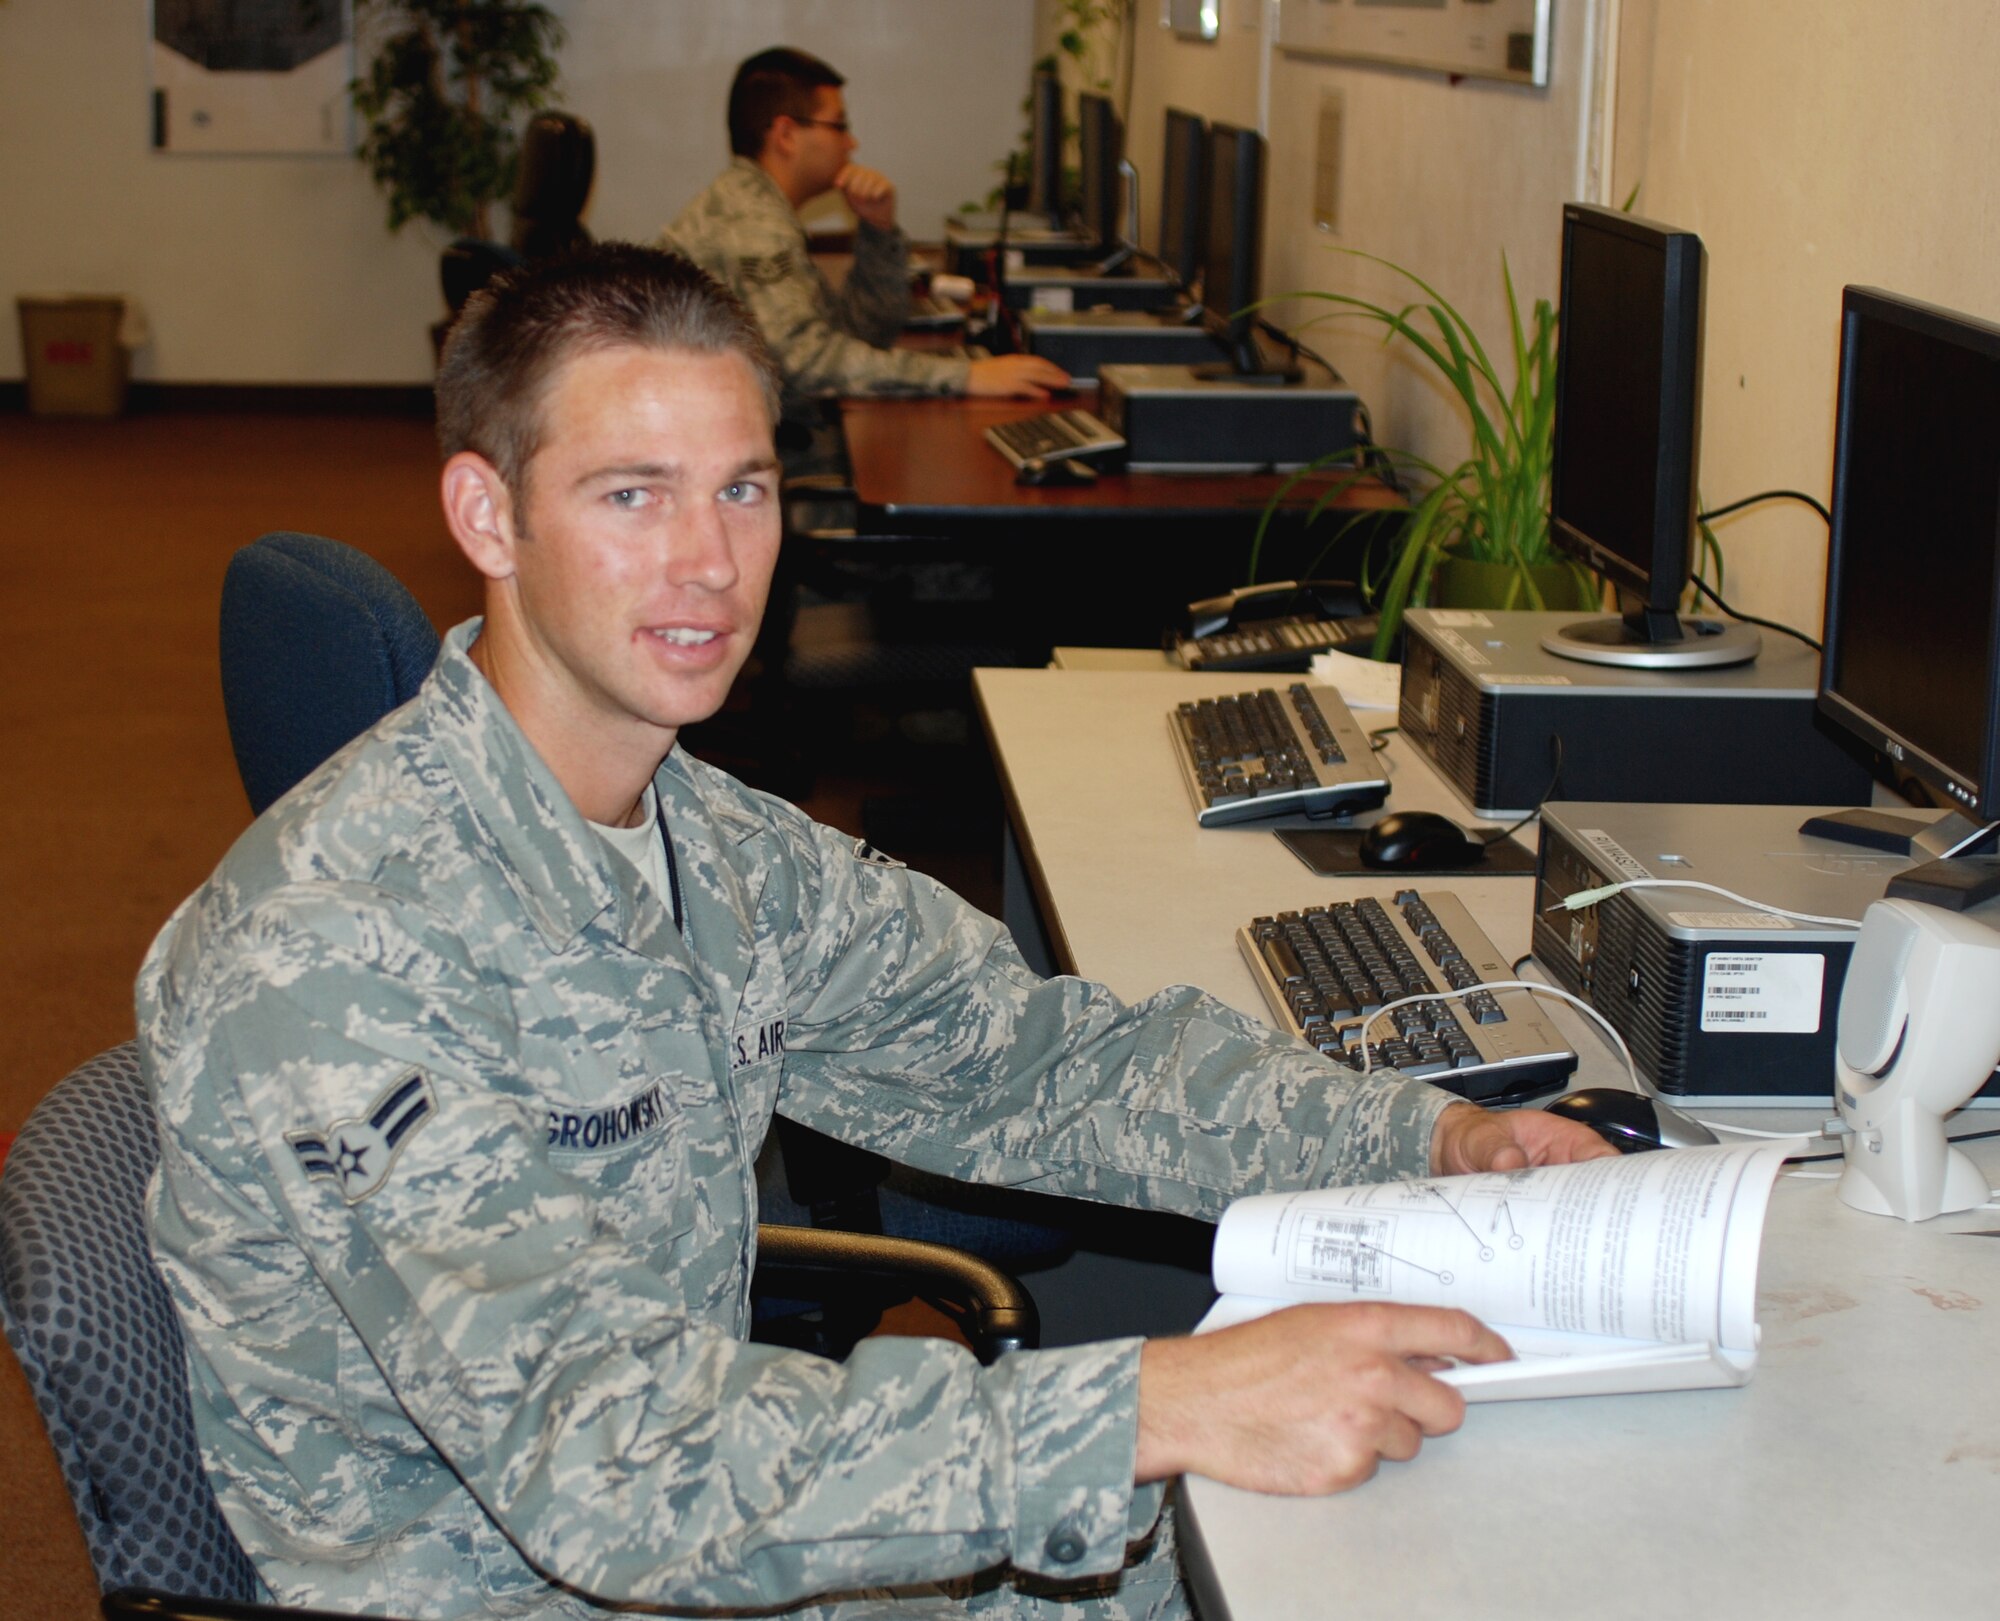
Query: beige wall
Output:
(261,270)
(1812,143)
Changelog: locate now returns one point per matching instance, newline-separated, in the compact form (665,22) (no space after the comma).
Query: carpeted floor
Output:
(120,792)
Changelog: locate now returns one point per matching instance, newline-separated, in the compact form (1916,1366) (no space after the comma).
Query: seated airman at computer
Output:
(464,1055)
(789,131)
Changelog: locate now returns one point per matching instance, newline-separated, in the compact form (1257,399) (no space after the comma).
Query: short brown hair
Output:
(515,332)
(774,83)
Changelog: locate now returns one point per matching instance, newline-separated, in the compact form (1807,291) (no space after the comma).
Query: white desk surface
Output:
(1857,1475)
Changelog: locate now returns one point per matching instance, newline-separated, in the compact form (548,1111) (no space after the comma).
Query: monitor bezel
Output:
(1100,148)
(1045,145)
(1663,580)
(1245,195)
(1184,152)
(1977,792)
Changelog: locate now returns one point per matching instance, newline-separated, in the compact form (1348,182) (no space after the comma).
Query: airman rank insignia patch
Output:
(356,1154)
(766,270)
(866,852)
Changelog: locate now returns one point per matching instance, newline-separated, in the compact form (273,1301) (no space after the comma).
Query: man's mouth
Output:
(685,636)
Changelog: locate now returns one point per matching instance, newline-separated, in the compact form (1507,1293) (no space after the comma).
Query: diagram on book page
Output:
(1357,1249)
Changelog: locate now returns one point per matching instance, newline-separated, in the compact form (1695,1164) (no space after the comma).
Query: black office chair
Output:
(91,1324)
(552,180)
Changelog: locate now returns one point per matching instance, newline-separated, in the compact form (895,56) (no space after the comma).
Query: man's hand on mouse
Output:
(1305,1401)
(870,193)
(1020,377)
(1468,1138)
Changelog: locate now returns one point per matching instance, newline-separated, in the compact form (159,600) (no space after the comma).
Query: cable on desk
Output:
(1548,793)
(1378,740)
(1590,897)
(1814,1159)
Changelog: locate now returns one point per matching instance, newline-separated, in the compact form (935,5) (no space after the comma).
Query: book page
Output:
(1646,1247)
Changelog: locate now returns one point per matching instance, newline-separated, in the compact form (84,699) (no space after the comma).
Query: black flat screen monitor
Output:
(1233,231)
(1912,646)
(1045,147)
(1100,148)
(1627,422)
(1181,195)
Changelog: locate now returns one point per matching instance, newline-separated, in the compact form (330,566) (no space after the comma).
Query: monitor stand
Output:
(1652,640)
(1962,871)
(1249,366)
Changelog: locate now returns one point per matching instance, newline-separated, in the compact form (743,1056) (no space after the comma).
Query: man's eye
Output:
(743,492)
(627,499)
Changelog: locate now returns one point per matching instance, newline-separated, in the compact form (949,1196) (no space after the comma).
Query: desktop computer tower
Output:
(1084,341)
(1170,416)
(1055,287)
(969,244)
(1485,704)
(1717,1001)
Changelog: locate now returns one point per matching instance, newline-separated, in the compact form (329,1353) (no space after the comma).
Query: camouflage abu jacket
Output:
(743,232)
(456,1198)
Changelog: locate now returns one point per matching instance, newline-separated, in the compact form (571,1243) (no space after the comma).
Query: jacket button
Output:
(1066,1544)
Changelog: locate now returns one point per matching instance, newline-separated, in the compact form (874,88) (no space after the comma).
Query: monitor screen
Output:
(1234,226)
(1913,571)
(1045,146)
(1628,402)
(1181,195)
(1100,147)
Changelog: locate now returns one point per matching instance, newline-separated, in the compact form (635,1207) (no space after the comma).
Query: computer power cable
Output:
(1535,988)
(1590,897)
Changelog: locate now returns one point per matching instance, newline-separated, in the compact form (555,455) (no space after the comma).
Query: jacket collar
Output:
(562,872)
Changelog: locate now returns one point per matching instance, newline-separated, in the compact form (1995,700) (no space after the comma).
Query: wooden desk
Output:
(922,463)
(1112,563)
(1857,1474)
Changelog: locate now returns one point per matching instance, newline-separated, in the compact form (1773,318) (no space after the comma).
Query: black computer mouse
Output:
(1630,1121)
(1420,841)
(1056,470)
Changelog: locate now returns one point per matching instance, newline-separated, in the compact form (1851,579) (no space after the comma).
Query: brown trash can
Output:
(75,362)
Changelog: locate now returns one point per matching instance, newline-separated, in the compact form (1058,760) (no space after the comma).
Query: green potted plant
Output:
(439,98)
(1478,533)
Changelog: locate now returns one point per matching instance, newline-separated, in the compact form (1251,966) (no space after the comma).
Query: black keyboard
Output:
(1052,436)
(1274,752)
(1323,969)
(929,313)
(1286,643)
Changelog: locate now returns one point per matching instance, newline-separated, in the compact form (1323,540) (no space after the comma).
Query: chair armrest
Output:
(992,1309)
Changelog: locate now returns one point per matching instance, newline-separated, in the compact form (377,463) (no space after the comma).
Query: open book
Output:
(1634,1273)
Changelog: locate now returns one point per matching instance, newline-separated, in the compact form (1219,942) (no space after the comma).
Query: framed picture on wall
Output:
(252,76)
(1485,39)
(1192,19)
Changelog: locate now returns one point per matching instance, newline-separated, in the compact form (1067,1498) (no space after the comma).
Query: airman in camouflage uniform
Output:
(788,128)
(462,1068)
(743,232)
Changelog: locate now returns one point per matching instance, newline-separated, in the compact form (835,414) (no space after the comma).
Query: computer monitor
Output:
(1045,147)
(1182,243)
(1232,235)
(1627,423)
(1100,149)
(1912,644)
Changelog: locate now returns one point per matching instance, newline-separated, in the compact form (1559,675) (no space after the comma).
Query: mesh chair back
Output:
(319,642)
(96,1336)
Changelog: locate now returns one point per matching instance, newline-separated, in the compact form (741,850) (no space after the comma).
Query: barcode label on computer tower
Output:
(1769,992)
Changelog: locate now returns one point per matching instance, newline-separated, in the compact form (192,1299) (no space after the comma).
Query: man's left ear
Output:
(480,513)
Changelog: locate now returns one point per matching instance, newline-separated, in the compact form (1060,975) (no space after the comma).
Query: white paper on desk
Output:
(1635,1273)
(1364,683)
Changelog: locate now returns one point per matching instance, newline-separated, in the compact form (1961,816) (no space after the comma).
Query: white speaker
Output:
(1919,1033)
